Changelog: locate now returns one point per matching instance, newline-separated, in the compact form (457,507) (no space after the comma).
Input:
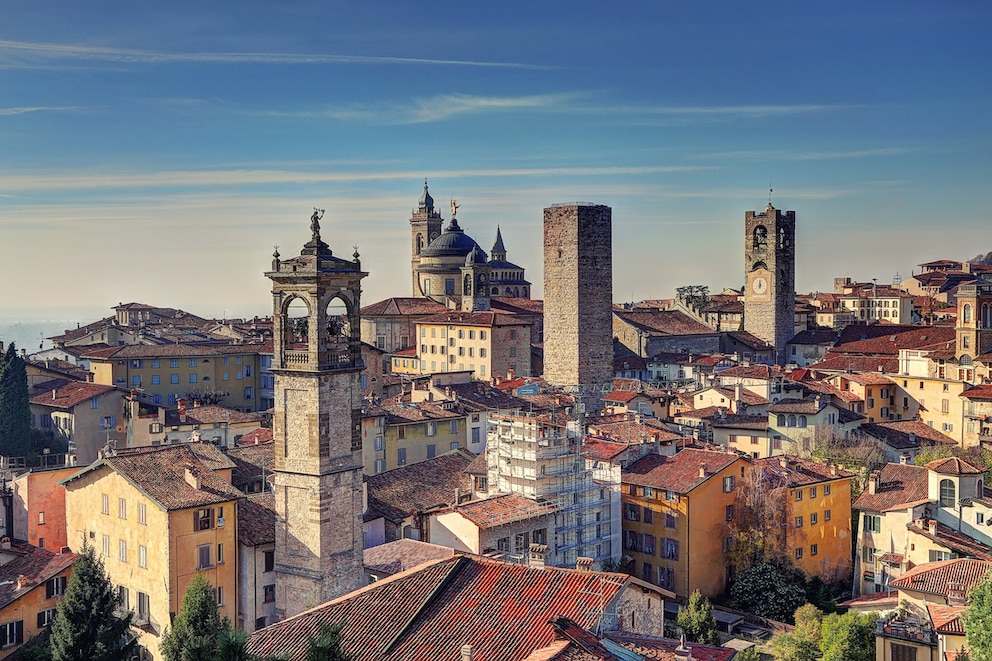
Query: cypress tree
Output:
(15,408)
(87,626)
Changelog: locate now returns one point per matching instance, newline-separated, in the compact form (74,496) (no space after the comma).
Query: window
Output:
(454,426)
(46,617)
(380,466)
(41,518)
(269,560)
(122,550)
(728,484)
(814,549)
(430,428)
(143,557)
(156,379)
(401,456)
(401,432)
(799,553)
(476,435)
(136,380)
(799,495)
(812,492)
(142,514)
(633,512)
(648,515)
(937,556)
(55,587)
(155,364)
(868,554)
(431,451)
(729,512)
(192,378)
(453,446)
(174,362)
(670,520)
(947,493)
(192,362)
(203,556)
(11,633)
(106,545)
(173,378)
(671,549)
(826,489)
(826,515)
(799,522)
(220,554)
(814,518)
(219,595)
(900,652)
(872,523)
(269,592)
(203,519)
(104,504)
(379,444)
(979,518)
(250,392)
(144,611)
(121,508)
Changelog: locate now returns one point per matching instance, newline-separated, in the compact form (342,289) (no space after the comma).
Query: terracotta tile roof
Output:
(208,415)
(418,487)
(481,396)
(983,393)
(502,509)
(748,397)
(663,649)
(173,351)
(257,519)
(36,566)
(619,397)
(484,319)
(798,471)
(663,322)
(900,484)
(160,473)
(866,378)
(844,362)
(478,465)
(906,434)
(209,455)
(933,577)
(82,331)
(516,305)
(817,337)
(888,599)
(251,462)
(956,541)
(257,437)
(749,372)
(892,558)
(399,412)
(807,405)
(947,619)
(431,611)
(402,306)
(679,473)
(403,554)
(705,413)
(599,449)
(954,466)
(750,340)
(72,393)
(889,339)
(741,421)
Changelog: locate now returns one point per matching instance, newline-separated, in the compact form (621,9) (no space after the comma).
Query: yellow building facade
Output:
(158,518)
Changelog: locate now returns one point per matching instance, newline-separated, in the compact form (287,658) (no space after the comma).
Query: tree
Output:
(978,620)
(327,645)
(208,396)
(15,408)
(197,626)
(769,591)
(697,620)
(87,625)
(802,644)
(694,296)
(848,637)
(760,521)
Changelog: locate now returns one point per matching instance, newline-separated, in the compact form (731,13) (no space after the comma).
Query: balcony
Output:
(906,628)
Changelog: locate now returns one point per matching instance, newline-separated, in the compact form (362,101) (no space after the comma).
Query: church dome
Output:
(475,257)
(453,242)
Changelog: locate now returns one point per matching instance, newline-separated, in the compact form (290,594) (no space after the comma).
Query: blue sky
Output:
(156,152)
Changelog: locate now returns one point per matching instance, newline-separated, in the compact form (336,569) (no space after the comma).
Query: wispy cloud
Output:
(23,110)
(30,53)
(73,180)
(787,155)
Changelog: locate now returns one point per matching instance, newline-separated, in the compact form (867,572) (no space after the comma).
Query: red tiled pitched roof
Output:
(485,319)
(402,306)
(419,487)
(798,471)
(664,322)
(900,484)
(431,611)
(866,378)
(207,415)
(36,566)
(933,577)
(898,434)
(663,649)
(403,554)
(888,599)
(252,463)
(257,520)
(962,544)
(954,466)
(982,392)
(257,437)
(504,508)
(601,449)
(679,473)
(71,394)
(947,619)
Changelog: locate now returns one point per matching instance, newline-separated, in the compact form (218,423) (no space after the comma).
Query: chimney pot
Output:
(468,653)
(192,478)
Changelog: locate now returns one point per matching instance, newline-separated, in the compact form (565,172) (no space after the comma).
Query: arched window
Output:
(792,421)
(947,493)
(966,313)
(783,238)
(467,287)
(781,421)
(495,291)
(802,421)
(420,243)
(760,238)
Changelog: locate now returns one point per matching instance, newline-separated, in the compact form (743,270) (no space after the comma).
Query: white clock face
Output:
(759,285)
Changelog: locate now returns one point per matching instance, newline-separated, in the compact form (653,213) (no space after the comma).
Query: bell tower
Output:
(425,226)
(770,277)
(316,426)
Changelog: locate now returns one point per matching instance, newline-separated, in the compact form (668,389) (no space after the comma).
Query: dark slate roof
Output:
(431,611)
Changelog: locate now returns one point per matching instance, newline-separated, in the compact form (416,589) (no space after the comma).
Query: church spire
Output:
(426,202)
(498,253)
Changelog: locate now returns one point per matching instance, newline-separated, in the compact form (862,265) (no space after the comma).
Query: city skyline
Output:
(157,154)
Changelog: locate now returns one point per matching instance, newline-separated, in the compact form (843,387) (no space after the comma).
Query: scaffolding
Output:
(536,457)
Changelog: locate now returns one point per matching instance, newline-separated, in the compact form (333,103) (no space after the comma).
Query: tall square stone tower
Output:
(316,426)
(770,277)
(578,295)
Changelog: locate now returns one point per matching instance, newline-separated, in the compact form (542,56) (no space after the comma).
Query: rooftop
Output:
(934,577)
(418,487)
(680,473)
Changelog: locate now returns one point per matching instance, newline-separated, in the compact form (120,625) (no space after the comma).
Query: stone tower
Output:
(578,295)
(475,282)
(316,425)
(974,324)
(770,277)
(425,226)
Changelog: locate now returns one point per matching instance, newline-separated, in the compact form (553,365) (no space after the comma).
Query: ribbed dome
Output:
(453,242)
(475,257)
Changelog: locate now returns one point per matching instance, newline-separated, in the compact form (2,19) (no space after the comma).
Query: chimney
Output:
(682,652)
(904,458)
(510,374)
(584,564)
(932,527)
(55,394)
(537,555)
(874,482)
(468,653)
(192,478)
(21,581)
(783,461)
(956,594)
(5,543)
(702,471)
(458,496)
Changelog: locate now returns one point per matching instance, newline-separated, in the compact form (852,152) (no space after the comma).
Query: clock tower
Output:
(316,425)
(770,276)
